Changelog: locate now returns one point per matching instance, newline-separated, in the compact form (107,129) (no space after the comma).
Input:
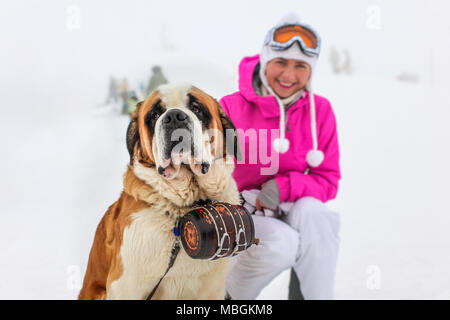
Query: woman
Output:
(295,228)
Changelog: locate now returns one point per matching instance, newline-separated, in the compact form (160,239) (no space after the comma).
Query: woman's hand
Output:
(269,197)
(260,205)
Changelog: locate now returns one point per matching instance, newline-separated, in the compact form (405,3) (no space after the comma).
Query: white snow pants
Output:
(305,238)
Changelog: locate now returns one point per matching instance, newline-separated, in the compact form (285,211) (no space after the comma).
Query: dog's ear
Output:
(231,145)
(133,133)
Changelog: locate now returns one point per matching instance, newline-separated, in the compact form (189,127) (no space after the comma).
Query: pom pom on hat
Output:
(281,145)
(314,158)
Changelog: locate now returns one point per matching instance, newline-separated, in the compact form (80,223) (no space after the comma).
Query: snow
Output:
(64,152)
(393,196)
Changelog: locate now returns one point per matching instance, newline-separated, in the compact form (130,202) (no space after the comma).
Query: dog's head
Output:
(180,126)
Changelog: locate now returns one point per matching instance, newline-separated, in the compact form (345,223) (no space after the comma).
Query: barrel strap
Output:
(173,256)
(239,230)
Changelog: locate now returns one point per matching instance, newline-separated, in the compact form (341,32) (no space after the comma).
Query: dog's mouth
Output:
(178,156)
(170,168)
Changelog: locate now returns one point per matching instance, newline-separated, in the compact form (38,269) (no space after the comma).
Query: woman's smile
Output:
(287,76)
(285,85)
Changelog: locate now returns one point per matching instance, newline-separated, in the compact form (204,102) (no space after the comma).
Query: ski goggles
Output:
(281,38)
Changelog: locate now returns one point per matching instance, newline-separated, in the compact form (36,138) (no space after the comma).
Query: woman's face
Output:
(287,76)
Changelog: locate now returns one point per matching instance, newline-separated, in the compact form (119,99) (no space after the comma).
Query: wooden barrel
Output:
(216,230)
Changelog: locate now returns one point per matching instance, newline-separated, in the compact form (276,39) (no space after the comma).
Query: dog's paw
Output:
(169,170)
(200,169)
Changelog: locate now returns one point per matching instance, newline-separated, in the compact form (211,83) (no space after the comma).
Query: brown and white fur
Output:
(133,241)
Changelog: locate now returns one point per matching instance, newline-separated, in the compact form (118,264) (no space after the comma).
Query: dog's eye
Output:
(196,109)
(151,117)
(156,111)
(200,111)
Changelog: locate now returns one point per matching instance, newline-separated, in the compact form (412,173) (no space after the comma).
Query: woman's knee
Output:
(278,242)
(312,214)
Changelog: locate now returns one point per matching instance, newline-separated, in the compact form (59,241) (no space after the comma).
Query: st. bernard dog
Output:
(175,160)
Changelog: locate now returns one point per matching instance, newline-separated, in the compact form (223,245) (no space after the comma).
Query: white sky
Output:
(43,53)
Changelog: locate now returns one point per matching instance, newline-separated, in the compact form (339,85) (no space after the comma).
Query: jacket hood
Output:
(268,104)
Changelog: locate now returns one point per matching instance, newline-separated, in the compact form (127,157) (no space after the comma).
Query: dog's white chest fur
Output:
(145,253)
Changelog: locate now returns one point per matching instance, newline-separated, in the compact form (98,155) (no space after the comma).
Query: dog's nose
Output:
(175,116)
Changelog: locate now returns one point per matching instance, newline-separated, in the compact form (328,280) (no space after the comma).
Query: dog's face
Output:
(180,127)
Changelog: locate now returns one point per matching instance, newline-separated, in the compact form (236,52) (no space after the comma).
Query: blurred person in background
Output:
(132,102)
(112,91)
(124,94)
(156,79)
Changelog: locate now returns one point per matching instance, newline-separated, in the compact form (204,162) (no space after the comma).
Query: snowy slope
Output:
(393,196)
(62,177)
(392,199)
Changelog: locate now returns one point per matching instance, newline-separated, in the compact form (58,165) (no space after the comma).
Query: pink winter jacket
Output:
(247,110)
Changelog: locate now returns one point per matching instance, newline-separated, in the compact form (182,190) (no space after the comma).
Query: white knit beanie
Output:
(314,157)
